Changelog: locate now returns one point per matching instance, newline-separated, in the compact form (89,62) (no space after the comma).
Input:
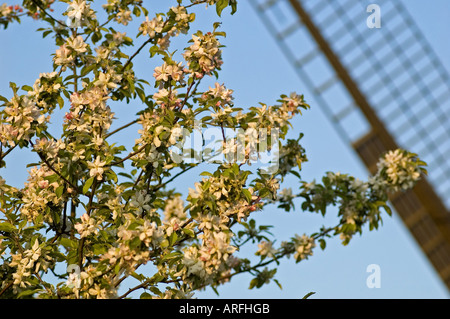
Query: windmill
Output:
(382,89)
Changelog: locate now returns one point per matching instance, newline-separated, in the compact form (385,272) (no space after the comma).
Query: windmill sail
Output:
(382,88)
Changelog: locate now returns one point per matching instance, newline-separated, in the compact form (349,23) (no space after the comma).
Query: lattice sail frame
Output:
(382,89)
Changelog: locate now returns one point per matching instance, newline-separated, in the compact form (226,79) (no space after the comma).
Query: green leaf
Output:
(117,268)
(13,86)
(278,283)
(99,249)
(188,232)
(27,88)
(323,243)
(247,194)
(87,69)
(7,227)
(175,254)
(110,174)
(388,209)
(88,184)
(309,294)
(215,290)
(4,99)
(59,191)
(68,243)
(139,277)
(206,174)
(46,33)
(253,283)
(164,243)
(220,5)
(155,290)
(173,238)
(27,293)
(146,295)
(233,6)
(157,278)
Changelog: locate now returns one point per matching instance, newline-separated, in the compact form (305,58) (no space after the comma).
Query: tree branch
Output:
(48,14)
(173,177)
(128,156)
(121,128)
(6,288)
(42,157)
(3,155)
(136,53)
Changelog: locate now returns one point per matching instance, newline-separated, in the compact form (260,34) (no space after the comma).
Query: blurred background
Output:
(369,89)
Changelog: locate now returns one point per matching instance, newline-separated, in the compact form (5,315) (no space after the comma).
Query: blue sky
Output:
(255,68)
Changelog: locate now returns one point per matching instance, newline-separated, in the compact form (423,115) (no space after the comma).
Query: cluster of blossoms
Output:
(43,187)
(359,202)
(220,189)
(24,116)
(6,10)
(212,209)
(89,115)
(124,16)
(168,72)
(400,170)
(84,284)
(204,56)
(291,155)
(21,117)
(27,262)
(9,13)
(79,13)
(222,115)
(152,27)
(182,19)
(178,22)
(165,97)
(88,226)
(67,54)
(135,238)
(174,209)
(208,261)
(218,96)
(301,246)
(266,249)
(278,116)
(46,90)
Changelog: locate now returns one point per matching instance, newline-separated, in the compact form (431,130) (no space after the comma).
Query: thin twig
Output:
(3,155)
(121,128)
(48,14)
(6,288)
(195,3)
(136,53)
(173,177)
(42,157)
(143,285)
(128,156)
